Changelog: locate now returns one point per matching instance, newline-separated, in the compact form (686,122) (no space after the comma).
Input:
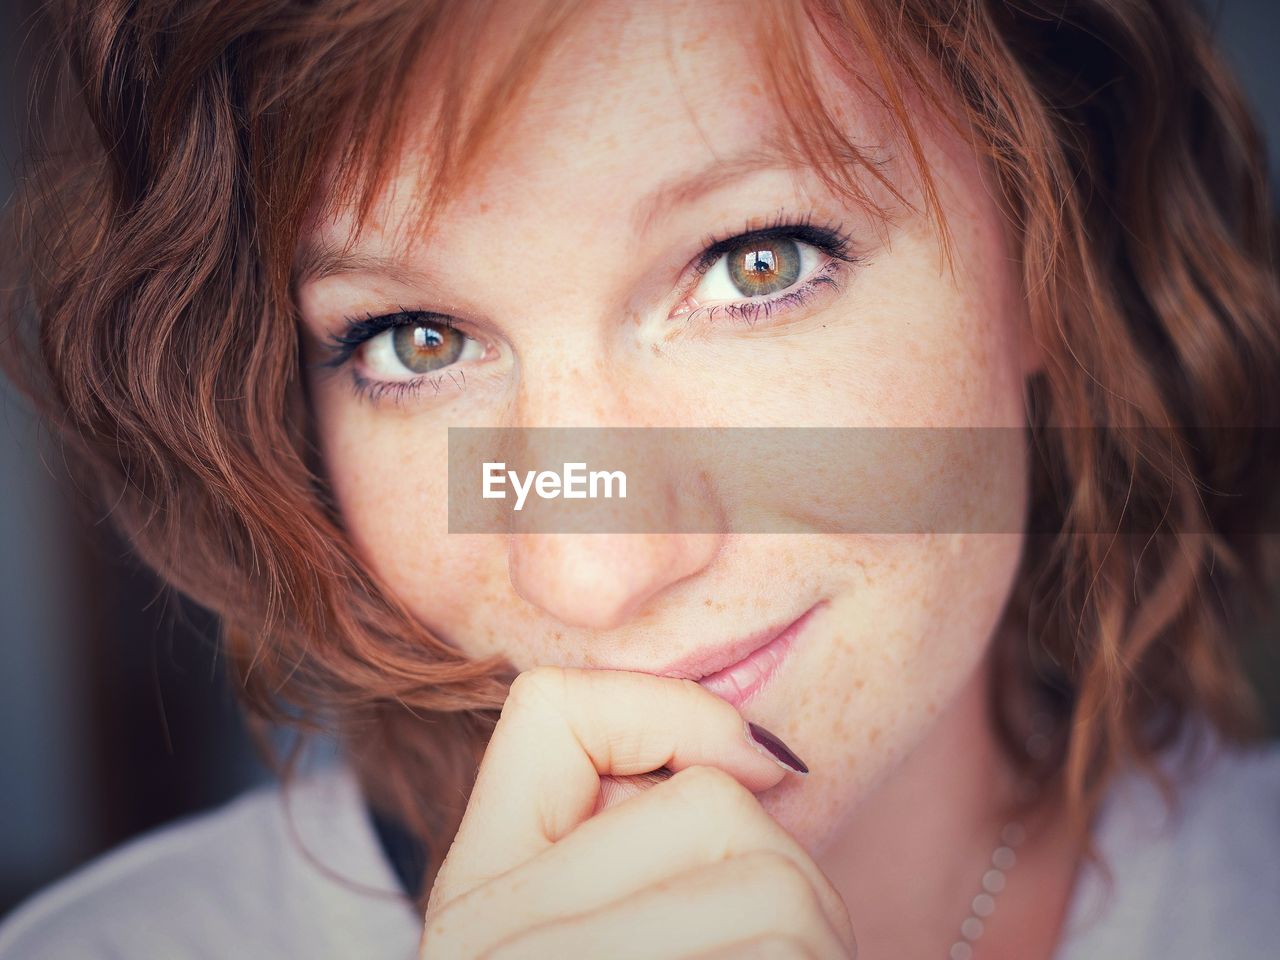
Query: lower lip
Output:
(739,682)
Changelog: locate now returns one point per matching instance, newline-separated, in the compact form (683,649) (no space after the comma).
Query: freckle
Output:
(484,208)
(559,636)
(873,735)
(859,684)
(708,602)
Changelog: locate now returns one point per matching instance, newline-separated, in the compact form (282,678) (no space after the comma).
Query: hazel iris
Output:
(423,347)
(763,267)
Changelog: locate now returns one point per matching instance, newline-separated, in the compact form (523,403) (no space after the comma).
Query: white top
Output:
(1201,881)
(239,882)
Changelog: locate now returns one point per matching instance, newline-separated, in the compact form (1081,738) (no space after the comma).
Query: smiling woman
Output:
(275,255)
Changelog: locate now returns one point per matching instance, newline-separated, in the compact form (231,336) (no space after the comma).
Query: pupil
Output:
(764,261)
(423,347)
(427,338)
(760,269)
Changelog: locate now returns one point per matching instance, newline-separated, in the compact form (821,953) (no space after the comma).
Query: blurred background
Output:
(115,715)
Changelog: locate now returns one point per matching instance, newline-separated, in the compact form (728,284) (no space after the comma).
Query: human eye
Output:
(765,271)
(397,354)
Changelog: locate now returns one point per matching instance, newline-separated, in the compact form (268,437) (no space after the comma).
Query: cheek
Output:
(904,636)
(903,346)
(389,476)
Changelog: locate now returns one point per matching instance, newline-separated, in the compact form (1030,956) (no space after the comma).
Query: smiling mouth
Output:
(741,680)
(738,670)
(735,671)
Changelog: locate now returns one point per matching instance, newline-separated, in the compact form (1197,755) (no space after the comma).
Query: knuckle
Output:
(536,685)
(701,778)
(712,789)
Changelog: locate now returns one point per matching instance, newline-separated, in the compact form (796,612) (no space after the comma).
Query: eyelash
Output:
(828,238)
(360,330)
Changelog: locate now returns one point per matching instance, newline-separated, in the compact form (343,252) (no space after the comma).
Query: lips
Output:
(734,671)
(743,679)
(737,671)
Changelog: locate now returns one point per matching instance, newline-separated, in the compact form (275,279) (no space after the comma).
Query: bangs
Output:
(460,71)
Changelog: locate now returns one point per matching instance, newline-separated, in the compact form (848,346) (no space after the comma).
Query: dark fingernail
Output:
(777,749)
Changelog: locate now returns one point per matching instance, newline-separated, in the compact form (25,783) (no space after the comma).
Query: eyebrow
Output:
(684,188)
(320,259)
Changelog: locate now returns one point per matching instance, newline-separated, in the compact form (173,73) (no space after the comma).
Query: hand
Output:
(692,866)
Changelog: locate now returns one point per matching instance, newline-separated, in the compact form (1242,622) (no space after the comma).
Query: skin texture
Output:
(580,303)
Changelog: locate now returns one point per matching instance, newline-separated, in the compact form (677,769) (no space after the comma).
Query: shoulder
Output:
(277,872)
(1199,877)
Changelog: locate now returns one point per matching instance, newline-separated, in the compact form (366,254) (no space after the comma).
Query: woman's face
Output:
(568,267)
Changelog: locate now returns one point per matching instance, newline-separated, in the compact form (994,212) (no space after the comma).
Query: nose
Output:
(602,579)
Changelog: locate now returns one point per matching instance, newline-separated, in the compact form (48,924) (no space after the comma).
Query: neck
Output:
(912,859)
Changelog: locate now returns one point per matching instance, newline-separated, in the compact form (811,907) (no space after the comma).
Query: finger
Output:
(758,901)
(561,730)
(700,816)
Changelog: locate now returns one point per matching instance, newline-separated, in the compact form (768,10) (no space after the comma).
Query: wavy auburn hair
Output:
(181,145)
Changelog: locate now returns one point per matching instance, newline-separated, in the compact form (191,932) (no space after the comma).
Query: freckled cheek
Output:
(912,623)
(390,480)
(901,347)
(934,347)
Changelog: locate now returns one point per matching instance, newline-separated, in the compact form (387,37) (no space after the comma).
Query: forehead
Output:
(633,109)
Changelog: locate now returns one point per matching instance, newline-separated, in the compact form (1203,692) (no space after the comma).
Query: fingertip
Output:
(772,746)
